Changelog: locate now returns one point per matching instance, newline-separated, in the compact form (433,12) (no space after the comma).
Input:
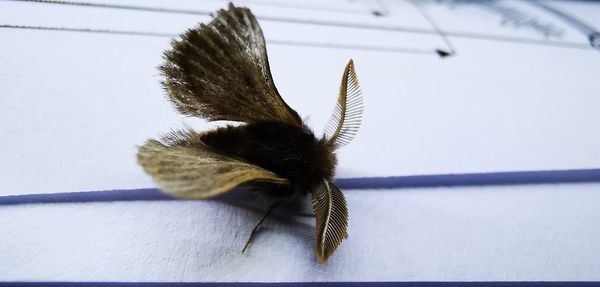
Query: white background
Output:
(75,106)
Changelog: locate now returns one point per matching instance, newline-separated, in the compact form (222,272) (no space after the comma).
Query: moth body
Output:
(293,153)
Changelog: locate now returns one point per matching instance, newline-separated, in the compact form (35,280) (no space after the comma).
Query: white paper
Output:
(520,93)
(76,105)
(530,233)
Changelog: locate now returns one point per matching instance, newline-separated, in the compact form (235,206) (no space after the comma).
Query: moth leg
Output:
(257,226)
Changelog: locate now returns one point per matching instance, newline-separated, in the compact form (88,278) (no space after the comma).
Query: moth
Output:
(220,71)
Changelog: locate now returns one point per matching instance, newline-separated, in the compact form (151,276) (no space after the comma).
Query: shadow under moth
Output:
(220,71)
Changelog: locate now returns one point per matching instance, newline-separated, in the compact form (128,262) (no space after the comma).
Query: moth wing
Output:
(331,213)
(220,71)
(347,115)
(196,172)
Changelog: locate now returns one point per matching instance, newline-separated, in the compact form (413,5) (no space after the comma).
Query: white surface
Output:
(545,232)
(74,107)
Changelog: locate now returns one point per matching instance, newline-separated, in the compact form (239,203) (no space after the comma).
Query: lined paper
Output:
(450,87)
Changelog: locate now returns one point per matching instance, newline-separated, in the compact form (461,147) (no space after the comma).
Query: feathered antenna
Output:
(331,213)
(347,115)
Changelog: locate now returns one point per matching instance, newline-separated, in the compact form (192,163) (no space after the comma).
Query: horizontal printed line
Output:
(276,42)
(473,179)
(440,180)
(201,12)
(87,30)
(303,284)
(402,29)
